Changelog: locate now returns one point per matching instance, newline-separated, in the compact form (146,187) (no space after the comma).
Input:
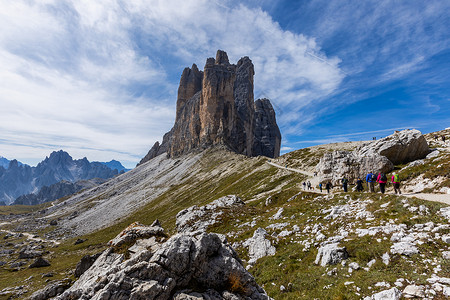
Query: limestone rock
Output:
(331,254)
(52,290)
(333,166)
(400,147)
(391,294)
(188,266)
(134,232)
(39,263)
(217,107)
(412,291)
(199,218)
(404,248)
(85,263)
(267,140)
(259,246)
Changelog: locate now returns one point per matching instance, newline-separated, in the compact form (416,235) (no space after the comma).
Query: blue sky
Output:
(100,79)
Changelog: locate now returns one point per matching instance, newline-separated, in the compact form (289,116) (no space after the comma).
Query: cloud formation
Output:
(99,79)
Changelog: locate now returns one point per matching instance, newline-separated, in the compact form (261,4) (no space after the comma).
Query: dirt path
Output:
(313,179)
(443,198)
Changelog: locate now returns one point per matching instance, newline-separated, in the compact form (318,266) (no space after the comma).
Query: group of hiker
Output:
(371,179)
(382,180)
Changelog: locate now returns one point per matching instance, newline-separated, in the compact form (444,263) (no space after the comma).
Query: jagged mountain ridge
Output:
(56,191)
(216,107)
(115,165)
(19,180)
(4,162)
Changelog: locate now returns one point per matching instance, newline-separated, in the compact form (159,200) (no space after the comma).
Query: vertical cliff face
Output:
(216,107)
(267,138)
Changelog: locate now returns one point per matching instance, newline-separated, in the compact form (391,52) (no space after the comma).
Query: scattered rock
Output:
(196,258)
(27,253)
(412,291)
(52,290)
(85,263)
(200,218)
(259,246)
(79,241)
(53,222)
(391,294)
(331,254)
(278,215)
(39,263)
(134,232)
(404,248)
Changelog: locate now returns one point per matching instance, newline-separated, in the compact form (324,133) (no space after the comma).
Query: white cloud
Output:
(101,77)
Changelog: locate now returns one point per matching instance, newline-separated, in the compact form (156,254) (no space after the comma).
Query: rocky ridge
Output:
(216,107)
(376,156)
(194,265)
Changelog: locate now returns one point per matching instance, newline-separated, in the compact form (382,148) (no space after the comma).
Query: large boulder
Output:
(401,147)
(331,254)
(337,164)
(189,265)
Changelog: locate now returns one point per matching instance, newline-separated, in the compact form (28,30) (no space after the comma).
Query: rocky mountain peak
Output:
(217,107)
(222,58)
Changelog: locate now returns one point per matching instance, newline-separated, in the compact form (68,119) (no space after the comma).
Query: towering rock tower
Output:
(216,107)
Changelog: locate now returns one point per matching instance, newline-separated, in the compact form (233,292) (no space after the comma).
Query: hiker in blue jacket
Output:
(370,179)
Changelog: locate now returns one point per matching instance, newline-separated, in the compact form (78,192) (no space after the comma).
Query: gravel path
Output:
(443,198)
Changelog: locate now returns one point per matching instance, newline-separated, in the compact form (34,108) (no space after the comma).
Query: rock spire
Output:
(216,107)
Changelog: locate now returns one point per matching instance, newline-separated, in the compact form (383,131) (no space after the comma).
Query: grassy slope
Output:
(221,173)
(224,173)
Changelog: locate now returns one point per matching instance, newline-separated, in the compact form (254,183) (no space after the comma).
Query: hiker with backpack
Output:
(382,180)
(328,186)
(320,187)
(344,184)
(359,185)
(396,182)
(370,179)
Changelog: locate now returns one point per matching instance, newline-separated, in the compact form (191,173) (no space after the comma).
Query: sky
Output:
(99,79)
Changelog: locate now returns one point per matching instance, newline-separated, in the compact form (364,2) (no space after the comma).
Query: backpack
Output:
(396,178)
(374,178)
(383,177)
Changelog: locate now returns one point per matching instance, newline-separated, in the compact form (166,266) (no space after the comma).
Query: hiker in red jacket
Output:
(382,179)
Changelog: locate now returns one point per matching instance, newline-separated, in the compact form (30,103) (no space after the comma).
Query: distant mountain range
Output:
(56,191)
(4,162)
(20,179)
(115,165)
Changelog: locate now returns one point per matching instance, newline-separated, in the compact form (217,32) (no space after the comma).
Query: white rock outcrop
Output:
(331,254)
(401,147)
(391,294)
(199,218)
(259,246)
(189,265)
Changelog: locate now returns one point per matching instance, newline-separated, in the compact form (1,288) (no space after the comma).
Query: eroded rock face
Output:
(216,107)
(331,254)
(197,218)
(333,166)
(401,147)
(195,264)
(378,156)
